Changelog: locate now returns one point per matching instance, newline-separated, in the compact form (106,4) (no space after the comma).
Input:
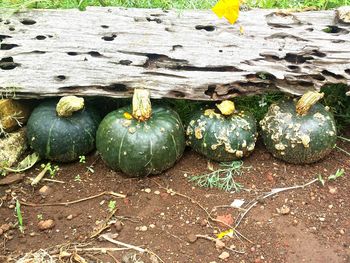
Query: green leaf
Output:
(24,165)
(19,216)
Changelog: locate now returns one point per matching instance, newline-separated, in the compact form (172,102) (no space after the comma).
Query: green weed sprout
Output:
(223,178)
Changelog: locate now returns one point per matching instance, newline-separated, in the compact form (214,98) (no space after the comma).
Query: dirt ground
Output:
(311,224)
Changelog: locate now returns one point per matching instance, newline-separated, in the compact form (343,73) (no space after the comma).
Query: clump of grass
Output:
(81,4)
(319,4)
(223,178)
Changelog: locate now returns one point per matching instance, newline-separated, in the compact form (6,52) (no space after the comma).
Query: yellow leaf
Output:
(225,233)
(127,116)
(228,9)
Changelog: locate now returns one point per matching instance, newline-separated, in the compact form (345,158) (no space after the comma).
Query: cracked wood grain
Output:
(191,55)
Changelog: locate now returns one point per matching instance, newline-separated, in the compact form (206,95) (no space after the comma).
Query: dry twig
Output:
(205,210)
(274,191)
(76,201)
(136,248)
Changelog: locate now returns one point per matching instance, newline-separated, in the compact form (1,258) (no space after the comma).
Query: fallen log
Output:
(177,54)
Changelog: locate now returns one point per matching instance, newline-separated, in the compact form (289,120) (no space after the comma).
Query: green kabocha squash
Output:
(139,140)
(223,134)
(299,132)
(62,131)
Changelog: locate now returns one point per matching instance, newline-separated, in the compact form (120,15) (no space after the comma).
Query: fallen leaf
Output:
(225,220)
(228,9)
(241,30)
(225,233)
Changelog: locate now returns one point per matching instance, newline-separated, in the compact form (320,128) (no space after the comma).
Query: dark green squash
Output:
(299,132)
(66,135)
(223,135)
(148,141)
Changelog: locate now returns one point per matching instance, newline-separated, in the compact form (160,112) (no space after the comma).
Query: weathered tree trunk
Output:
(176,54)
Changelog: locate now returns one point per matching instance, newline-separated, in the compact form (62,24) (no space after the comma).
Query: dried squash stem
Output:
(68,105)
(226,107)
(141,105)
(306,101)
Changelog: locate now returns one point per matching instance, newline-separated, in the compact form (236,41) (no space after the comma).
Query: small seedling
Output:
(338,173)
(39,216)
(321,180)
(112,205)
(82,159)
(223,178)
(77,178)
(51,169)
(19,217)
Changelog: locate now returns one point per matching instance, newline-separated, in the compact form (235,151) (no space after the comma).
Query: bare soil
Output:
(314,227)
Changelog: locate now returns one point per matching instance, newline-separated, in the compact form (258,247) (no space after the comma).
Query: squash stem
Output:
(226,107)
(141,105)
(68,105)
(306,101)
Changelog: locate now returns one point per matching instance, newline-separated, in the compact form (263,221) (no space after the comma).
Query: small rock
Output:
(219,244)
(45,190)
(157,192)
(204,222)
(70,217)
(322,219)
(46,224)
(9,237)
(269,177)
(192,238)
(1,231)
(341,231)
(152,225)
(295,222)
(148,190)
(284,210)
(143,228)
(224,255)
(11,206)
(332,189)
(32,234)
(118,226)
(5,227)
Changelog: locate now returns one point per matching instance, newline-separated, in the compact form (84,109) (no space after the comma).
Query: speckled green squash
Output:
(222,138)
(295,138)
(141,148)
(62,139)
